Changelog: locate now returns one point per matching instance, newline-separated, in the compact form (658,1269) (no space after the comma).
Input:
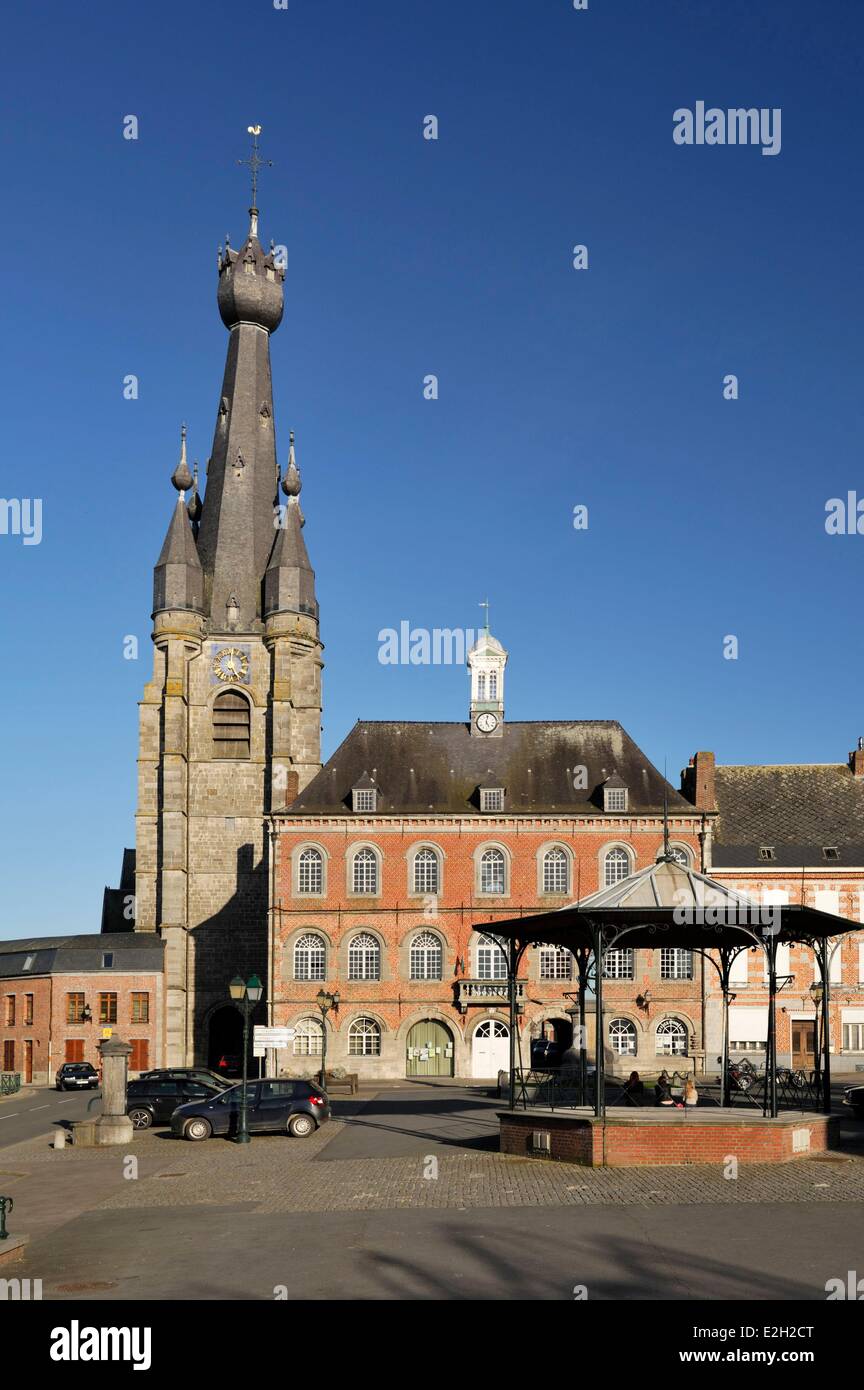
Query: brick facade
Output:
(395,915)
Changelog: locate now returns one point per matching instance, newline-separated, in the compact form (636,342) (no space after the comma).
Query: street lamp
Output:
(325,1003)
(245,996)
(817,990)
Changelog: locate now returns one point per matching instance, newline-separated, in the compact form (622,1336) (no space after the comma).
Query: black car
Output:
(209,1078)
(853,1096)
(76,1076)
(154,1102)
(273,1107)
(546,1054)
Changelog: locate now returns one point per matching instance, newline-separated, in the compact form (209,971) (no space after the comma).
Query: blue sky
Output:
(408,257)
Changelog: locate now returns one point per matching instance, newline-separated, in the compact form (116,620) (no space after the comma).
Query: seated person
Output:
(663,1089)
(634,1089)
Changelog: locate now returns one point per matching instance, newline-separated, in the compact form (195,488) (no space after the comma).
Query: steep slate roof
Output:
(797,809)
(55,955)
(423,768)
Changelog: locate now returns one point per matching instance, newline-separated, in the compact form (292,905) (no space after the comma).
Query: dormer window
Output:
(28,963)
(831,852)
(614,798)
(491,798)
(766,852)
(364,795)
(107,960)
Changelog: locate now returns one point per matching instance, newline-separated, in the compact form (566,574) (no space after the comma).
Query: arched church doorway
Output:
(430,1049)
(225,1041)
(490,1048)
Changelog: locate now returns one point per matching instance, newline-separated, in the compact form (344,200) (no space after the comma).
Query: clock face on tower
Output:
(487,722)
(231,664)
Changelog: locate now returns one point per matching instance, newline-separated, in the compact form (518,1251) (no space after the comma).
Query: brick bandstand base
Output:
(627,1139)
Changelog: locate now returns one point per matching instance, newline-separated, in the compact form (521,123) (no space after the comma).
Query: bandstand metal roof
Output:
(671,904)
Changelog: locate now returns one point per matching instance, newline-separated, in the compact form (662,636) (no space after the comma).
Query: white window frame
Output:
(623,1027)
(501,892)
(492,799)
(676,963)
(425,854)
(308,1040)
(619,963)
(360,852)
(364,1030)
(613,795)
(611,853)
(675,1029)
(555,963)
(557,855)
(364,800)
(300,853)
(364,959)
(486,946)
(418,965)
(301,940)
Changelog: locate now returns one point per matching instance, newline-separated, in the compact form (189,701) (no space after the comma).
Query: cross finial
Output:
(254,162)
(484,603)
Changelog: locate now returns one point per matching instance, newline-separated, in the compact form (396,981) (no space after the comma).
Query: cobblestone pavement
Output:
(277,1174)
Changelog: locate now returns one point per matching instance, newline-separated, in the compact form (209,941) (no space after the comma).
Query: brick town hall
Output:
(380,875)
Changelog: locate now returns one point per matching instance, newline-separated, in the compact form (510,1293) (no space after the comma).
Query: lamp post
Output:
(816,992)
(245,995)
(325,1003)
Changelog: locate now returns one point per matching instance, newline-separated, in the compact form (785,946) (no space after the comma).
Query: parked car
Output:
(76,1076)
(546,1054)
(274,1107)
(154,1102)
(209,1078)
(230,1064)
(853,1096)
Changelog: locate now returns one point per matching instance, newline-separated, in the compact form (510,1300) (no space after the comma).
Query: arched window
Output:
(481,685)
(556,963)
(310,957)
(364,1038)
(556,878)
(426,957)
(493,685)
(622,1037)
(672,1038)
(491,960)
(492,871)
(308,1038)
(310,872)
(616,866)
(364,958)
(364,872)
(231,725)
(426,875)
(679,854)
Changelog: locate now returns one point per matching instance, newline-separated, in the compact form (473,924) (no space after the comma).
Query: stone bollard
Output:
(59,1139)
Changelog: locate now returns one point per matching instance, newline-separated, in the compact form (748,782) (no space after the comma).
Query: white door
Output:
(490,1049)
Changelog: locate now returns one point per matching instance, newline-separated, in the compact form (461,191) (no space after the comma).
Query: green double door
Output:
(430,1050)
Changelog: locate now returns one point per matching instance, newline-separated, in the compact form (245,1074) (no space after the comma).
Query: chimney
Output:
(856,760)
(697,781)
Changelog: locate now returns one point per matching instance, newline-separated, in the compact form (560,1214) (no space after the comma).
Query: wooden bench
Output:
(350,1082)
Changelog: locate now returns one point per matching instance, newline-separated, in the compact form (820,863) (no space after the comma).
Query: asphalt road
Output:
(774,1251)
(412,1119)
(28,1116)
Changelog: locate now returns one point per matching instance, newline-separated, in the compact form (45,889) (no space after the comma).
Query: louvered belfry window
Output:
(230,725)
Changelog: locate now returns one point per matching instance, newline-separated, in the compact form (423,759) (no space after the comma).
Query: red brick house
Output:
(60,995)
(414,834)
(789,834)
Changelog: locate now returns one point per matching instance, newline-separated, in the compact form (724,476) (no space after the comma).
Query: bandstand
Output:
(666,904)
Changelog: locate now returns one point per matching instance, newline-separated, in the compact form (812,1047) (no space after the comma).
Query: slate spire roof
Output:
(232,542)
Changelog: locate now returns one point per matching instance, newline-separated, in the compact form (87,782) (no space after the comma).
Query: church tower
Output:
(486,662)
(230,723)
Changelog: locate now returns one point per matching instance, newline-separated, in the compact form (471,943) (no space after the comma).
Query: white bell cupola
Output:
(486,662)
